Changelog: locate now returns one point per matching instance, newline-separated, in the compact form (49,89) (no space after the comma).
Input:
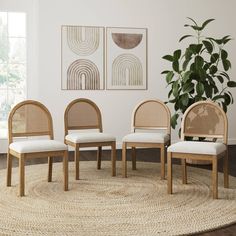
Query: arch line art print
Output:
(82,57)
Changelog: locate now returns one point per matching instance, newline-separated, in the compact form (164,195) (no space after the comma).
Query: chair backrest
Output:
(82,114)
(205,119)
(29,118)
(151,114)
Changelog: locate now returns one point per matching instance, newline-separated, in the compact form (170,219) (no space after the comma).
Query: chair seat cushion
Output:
(89,137)
(146,138)
(31,146)
(195,147)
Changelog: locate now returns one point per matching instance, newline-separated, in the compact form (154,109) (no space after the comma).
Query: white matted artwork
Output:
(126,61)
(82,57)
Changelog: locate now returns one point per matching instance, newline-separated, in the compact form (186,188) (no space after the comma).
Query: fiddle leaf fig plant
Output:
(199,72)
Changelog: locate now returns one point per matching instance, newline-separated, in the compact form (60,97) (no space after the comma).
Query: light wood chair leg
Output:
(226,169)
(133,154)
(50,161)
(184,171)
(113,158)
(9,168)
(22,176)
(99,155)
(65,170)
(77,162)
(124,161)
(162,151)
(169,173)
(215,177)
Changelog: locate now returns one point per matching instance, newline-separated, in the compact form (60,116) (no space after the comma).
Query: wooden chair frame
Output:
(134,145)
(23,156)
(99,145)
(212,158)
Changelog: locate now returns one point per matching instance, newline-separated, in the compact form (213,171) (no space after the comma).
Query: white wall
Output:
(164,20)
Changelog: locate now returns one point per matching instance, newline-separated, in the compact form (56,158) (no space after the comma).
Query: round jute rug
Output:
(99,204)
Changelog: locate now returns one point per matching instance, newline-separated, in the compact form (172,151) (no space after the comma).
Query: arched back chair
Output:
(32,119)
(150,129)
(83,115)
(204,119)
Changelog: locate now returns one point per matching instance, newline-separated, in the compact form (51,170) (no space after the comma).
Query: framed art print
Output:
(126,58)
(82,59)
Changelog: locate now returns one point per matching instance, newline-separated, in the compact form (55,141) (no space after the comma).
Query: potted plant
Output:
(199,72)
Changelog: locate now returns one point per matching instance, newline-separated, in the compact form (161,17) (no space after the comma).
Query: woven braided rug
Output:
(99,204)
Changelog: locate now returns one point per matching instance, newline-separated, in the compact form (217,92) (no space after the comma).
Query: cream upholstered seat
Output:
(89,137)
(83,117)
(37,146)
(147,138)
(32,119)
(195,147)
(150,129)
(204,119)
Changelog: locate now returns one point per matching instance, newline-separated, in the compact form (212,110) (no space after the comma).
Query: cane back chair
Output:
(28,121)
(83,128)
(204,119)
(150,129)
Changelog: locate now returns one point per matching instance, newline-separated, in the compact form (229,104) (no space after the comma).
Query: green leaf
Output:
(175,66)
(231,84)
(169,76)
(184,99)
(214,57)
(192,20)
(169,94)
(208,90)
(226,41)
(173,120)
(186,76)
(208,45)
(206,23)
(168,58)
(225,75)
(218,97)
(165,72)
(232,99)
(188,53)
(199,62)
(226,64)
(224,106)
(227,99)
(185,36)
(185,64)
(220,78)
(198,47)
(200,89)
(206,66)
(213,70)
(224,54)
(175,88)
(188,87)
(177,54)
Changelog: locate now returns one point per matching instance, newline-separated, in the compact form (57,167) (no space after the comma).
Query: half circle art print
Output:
(127,41)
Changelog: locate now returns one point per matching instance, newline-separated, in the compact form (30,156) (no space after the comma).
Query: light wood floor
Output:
(145,155)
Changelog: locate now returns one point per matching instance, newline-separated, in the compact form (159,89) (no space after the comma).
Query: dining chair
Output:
(30,134)
(83,129)
(205,120)
(150,129)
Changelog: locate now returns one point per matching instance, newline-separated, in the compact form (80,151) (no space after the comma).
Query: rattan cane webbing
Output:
(98,204)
